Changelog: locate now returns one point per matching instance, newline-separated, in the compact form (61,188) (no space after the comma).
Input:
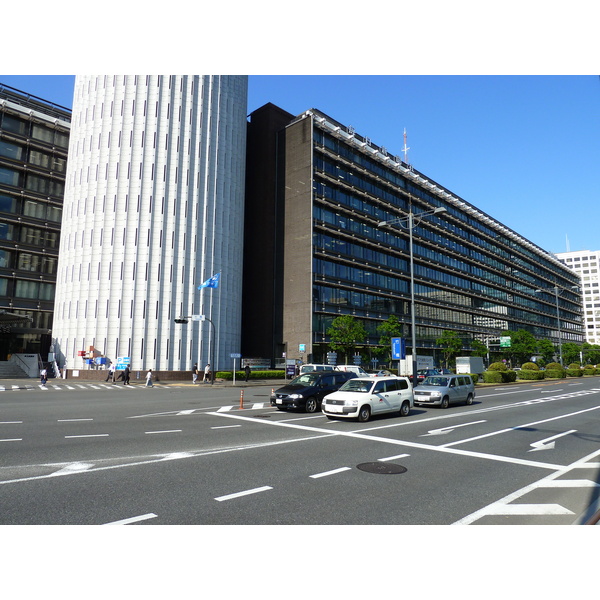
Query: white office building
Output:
(586,265)
(153,207)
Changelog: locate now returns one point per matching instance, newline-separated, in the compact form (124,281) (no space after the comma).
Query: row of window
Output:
(26,154)
(36,131)
(27,261)
(32,182)
(26,207)
(33,290)
(29,235)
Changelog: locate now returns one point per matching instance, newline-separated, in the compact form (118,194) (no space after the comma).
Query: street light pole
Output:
(410,225)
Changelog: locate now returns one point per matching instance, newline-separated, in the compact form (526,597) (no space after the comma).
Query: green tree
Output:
(522,346)
(570,352)
(451,345)
(389,329)
(346,332)
(591,353)
(479,348)
(546,349)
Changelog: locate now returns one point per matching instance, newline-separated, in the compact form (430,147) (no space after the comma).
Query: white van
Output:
(360,372)
(362,397)
(307,368)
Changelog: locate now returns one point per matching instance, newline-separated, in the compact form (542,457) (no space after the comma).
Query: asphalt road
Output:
(183,454)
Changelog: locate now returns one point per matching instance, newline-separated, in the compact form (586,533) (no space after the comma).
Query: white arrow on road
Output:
(444,430)
(543,445)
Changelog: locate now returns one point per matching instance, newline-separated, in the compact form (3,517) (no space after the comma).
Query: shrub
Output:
(574,372)
(589,370)
(530,374)
(530,366)
(574,366)
(554,365)
(497,366)
(492,377)
(240,375)
(474,377)
(555,373)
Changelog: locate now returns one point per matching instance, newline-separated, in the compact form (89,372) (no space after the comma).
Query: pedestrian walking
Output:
(111,373)
(43,376)
(126,375)
(149,378)
(207,373)
(195,373)
(247,371)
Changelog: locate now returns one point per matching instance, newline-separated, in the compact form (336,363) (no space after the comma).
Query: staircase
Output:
(10,370)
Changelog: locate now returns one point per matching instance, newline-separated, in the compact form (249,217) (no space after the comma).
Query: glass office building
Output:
(34,138)
(323,254)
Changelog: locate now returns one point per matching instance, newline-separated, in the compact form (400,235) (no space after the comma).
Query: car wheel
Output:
(405,409)
(311,405)
(469,399)
(445,402)
(364,414)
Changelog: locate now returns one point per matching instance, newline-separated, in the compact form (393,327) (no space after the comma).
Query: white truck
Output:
(469,364)
(423,362)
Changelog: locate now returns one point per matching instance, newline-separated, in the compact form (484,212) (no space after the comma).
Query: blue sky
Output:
(523,149)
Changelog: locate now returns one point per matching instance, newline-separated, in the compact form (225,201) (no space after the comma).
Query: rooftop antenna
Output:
(406,148)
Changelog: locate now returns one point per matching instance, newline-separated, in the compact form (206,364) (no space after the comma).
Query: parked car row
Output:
(343,394)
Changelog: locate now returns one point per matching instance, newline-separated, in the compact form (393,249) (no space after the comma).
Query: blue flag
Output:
(213,282)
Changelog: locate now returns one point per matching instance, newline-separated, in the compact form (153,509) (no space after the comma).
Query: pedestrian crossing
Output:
(66,386)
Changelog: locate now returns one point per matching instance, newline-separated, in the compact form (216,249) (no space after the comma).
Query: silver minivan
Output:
(443,390)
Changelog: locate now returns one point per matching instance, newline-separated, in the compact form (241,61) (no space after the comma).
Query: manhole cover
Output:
(382,468)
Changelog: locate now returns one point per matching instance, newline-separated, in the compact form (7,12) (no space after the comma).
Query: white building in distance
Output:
(586,264)
(153,207)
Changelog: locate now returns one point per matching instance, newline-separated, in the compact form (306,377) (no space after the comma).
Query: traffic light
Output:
(181,321)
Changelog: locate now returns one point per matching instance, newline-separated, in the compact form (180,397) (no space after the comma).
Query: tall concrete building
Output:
(154,205)
(587,265)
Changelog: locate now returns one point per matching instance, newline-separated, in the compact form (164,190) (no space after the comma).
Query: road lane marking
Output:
(133,519)
(78,467)
(393,457)
(518,427)
(13,440)
(225,426)
(445,430)
(482,512)
(327,473)
(87,436)
(72,420)
(528,509)
(164,431)
(569,483)
(245,493)
(9,422)
(225,408)
(352,434)
(542,445)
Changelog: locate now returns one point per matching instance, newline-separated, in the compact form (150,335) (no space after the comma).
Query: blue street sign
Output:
(398,348)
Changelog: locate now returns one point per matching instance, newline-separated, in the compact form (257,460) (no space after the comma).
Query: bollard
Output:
(241,398)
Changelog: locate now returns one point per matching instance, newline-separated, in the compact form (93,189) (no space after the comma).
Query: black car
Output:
(308,390)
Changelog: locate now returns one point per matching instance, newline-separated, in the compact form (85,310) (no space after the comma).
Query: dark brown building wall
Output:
(297,269)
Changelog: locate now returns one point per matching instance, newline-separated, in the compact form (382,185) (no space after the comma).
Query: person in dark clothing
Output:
(126,374)
(247,371)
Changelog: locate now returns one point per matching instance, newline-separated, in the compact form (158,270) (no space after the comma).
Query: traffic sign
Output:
(235,355)
(398,348)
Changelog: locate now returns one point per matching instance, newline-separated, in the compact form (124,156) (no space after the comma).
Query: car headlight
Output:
(436,394)
(351,403)
(295,396)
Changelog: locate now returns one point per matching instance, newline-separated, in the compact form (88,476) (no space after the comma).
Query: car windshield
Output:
(306,379)
(356,385)
(439,381)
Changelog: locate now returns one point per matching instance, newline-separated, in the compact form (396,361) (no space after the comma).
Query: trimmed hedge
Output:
(499,376)
(575,372)
(531,374)
(555,373)
(497,366)
(530,366)
(240,375)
